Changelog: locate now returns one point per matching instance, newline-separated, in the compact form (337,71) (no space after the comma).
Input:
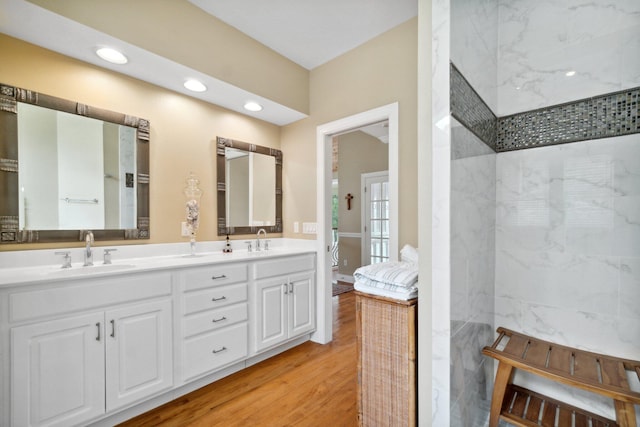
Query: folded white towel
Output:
(400,294)
(409,254)
(391,272)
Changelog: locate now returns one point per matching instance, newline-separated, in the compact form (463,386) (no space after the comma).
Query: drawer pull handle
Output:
(223,276)
(286,289)
(219,320)
(98,326)
(219,351)
(218,299)
(113,328)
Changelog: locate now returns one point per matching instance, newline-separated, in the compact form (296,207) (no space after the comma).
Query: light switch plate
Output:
(296,227)
(309,228)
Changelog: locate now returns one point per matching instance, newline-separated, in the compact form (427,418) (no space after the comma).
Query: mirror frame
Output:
(9,185)
(221,165)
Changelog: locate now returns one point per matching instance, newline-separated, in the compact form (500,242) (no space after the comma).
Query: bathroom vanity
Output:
(102,344)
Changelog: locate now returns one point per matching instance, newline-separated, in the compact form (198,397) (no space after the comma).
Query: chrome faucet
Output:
(263,231)
(88,253)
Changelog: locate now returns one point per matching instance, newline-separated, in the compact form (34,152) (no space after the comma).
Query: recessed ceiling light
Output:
(111,55)
(252,106)
(195,85)
(570,73)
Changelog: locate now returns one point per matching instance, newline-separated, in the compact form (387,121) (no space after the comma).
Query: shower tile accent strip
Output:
(613,114)
(469,109)
(604,116)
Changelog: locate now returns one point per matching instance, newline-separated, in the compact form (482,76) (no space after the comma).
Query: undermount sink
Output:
(85,271)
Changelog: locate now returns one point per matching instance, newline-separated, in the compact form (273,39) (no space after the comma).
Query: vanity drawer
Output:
(215,350)
(205,277)
(87,294)
(283,266)
(220,296)
(214,319)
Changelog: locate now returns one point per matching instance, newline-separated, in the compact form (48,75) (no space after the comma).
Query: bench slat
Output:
(519,404)
(549,415)
(586,367)
(537,353)
(613,373)
(516,346)
(560,359)
(581,420)
(533,410)
(564,417)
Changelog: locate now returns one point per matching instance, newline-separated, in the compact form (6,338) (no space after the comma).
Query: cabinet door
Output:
(271,312)
(301,304)
(57,371)
(138,352)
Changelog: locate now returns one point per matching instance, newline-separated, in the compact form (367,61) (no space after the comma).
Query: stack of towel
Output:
(394,279)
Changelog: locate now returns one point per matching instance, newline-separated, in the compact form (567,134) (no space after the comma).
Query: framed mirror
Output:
(66,168)
(249,187)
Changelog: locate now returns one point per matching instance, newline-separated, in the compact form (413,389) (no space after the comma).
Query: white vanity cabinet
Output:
(214,318)
(70,365)
(284,300)
(98,349)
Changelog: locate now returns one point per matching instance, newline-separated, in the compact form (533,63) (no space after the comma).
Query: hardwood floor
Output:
(310,385)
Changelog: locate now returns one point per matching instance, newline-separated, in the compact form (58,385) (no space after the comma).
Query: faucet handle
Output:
(107,255)
(66,262)
(266,244)
(248,242)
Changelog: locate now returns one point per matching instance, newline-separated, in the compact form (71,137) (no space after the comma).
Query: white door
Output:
(271,312)
(375,217)
(57,371)
(301,304)
(139,352)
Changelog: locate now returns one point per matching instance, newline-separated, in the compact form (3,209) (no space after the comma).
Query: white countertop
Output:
(43,266)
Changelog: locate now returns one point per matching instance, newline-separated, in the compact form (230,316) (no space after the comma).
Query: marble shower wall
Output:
(467,243)
(568,247)
(474,45)
(541,40)
(472,258)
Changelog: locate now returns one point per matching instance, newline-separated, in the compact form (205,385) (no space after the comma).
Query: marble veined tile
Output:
(540,41)
(570,281)
(630,288)
(474,45)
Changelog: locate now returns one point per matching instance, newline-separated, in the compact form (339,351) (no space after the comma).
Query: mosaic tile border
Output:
(604,116)
(469,109)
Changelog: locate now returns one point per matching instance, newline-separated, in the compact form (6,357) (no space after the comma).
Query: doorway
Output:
(324,136)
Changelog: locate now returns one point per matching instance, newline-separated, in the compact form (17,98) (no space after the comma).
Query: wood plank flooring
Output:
(310,385)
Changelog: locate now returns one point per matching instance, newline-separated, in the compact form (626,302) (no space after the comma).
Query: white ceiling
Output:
(309,32)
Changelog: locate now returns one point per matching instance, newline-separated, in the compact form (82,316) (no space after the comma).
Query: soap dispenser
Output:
(227,248)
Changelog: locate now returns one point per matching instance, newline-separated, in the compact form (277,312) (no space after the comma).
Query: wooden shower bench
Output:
(597,373)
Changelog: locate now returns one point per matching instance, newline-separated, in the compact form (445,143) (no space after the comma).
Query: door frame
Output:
(324,135)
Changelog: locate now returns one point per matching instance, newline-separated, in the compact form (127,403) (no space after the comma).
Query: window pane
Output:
(385,191)
(383,226)
(375,210)
(375,191)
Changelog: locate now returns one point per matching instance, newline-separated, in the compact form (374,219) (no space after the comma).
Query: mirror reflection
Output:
(74,171)
(251,182)
(249,187)
(68,167)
